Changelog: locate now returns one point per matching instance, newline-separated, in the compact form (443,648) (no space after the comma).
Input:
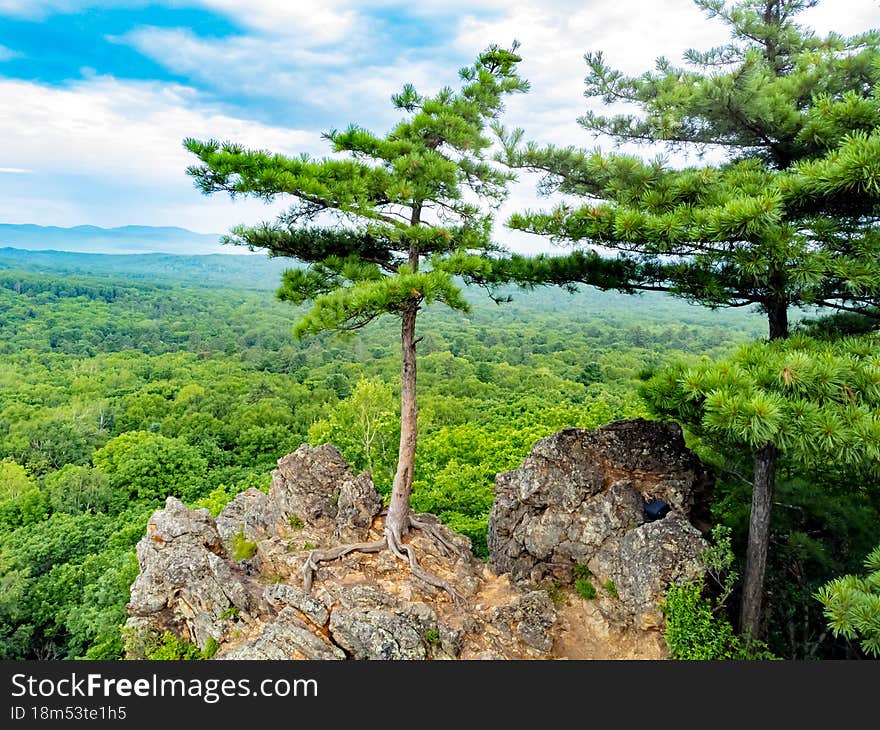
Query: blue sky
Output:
(95,97)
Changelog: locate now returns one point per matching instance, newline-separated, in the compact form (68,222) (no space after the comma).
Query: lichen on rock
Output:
(578,501)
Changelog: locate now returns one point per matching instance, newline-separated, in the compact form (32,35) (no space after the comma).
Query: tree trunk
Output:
(752,606)
(759,539)
(777,314)
(398,511)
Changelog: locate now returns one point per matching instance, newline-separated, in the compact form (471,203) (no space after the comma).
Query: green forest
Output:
(117,391)
(738,298)
(113,387)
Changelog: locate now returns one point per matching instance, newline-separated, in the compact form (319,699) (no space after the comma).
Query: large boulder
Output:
(619,501)
(307,483)
(186,584)
(313,489)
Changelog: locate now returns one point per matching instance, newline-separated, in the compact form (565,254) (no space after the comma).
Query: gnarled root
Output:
(391,541)
(407,553)
(324,556)
(447,548)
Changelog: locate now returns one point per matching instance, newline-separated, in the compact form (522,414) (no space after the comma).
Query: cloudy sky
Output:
(95,97)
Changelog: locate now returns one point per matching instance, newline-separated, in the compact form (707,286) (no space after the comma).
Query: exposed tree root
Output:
(406,552)
(391,541)
(447,548)
(324,556)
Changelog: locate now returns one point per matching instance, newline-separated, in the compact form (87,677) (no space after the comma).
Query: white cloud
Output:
(335,20)
(122,128)
(847,17)
(312,23)
(554,39)
(340,83)
(632,34)
(32,8)
(123,138)
(239,64)
(15,171)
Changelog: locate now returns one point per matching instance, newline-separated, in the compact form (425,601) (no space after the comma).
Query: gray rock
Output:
(644,561)
(286,637)
(307,484)
(248,512)
(380,633)
(358,504)
(579,498)
(529,619)
(312,487)
(185,582)
(297,598)
(362,597)
(451,640)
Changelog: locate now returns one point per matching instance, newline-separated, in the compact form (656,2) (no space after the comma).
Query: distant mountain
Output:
(256,272)
(212,270)
(124,240)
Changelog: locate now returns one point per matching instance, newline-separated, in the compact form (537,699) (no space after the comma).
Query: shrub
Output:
(169,647)
(586,589)
(211,647)
(611,589)
(215,500)
(852,605)
(242,548)
(296,522)
(554,590)
(693,631)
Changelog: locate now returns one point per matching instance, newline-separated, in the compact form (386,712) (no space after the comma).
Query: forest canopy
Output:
(110,383)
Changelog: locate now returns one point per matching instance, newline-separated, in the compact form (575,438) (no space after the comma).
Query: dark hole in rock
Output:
(656,509)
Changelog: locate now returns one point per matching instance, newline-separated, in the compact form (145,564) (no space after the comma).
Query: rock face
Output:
(580,499)
(360,607)
(185,584)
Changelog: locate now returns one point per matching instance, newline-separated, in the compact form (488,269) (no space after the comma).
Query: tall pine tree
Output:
(789,220)
(816,399)
(405,213)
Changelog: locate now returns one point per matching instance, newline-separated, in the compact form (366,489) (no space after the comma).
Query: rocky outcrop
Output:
(185,585)
(580,499)
(357,505)
(363,606)
(585,500)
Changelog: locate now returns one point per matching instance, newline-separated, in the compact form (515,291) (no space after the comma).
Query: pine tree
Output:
(405,216)
(815,401)
(852,605)
(789,220)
